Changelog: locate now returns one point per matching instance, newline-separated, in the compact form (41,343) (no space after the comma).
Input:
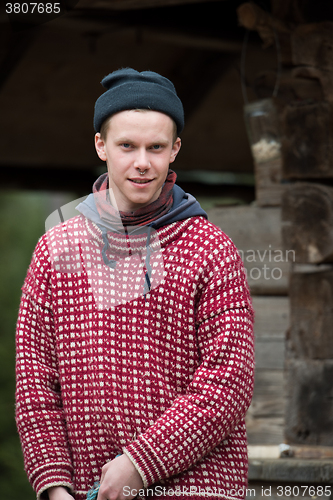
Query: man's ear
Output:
(175,149)
(100,146)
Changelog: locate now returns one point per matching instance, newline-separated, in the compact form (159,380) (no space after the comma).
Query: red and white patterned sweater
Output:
(165,378)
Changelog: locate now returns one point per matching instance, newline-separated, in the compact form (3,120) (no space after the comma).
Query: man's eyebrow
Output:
(127,140)
(160,140)
(124,139)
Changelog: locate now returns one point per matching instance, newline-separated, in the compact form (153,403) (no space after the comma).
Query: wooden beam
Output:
(253,18)
(310,452)
(279,472)
(204,31)
(271,30)
(269,451)
(134,4)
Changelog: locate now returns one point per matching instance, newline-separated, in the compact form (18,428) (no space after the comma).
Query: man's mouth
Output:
(141,181)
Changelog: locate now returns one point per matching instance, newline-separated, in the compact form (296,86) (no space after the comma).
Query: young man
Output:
(134,339)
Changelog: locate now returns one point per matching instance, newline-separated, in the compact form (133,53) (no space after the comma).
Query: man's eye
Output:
(126,145)
(156,147)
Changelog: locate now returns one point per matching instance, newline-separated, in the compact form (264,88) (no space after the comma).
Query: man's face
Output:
(137,141)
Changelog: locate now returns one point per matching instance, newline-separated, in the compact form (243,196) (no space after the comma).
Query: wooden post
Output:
(309,415)
(309,353)
(311,323)
(307,222)
(307,141)
(307,209)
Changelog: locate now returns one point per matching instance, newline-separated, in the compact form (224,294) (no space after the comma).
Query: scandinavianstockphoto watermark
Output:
(266,264)
(184,491)
(283,491)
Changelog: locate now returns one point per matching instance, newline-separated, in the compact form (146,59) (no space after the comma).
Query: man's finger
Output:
(104,470)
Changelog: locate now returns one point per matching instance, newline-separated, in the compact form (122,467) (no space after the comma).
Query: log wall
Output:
(307,204)
(303,180)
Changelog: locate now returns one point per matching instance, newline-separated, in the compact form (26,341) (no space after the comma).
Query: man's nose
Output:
(142,159)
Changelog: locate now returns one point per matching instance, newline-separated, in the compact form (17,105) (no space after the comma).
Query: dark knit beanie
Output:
(129,89)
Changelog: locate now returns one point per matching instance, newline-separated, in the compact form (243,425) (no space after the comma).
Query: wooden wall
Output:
(303,189)
(256,231)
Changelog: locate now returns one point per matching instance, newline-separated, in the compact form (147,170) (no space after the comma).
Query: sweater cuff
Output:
(51,475)
(148,464)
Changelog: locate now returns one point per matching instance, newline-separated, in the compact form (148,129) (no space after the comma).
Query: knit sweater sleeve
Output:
(220,392)
(39,414)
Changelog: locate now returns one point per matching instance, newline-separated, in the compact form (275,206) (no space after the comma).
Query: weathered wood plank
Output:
(257,234)
(306,147)
(264,430)
(307,222)
(270,354)
(267,407)
(323,78)
(312,45)
(311,317)
(269,382)
(271,317)
(269,186)
(296,84)
(310,452)
(295,451)
(309,409)
(265,418)
(293,471)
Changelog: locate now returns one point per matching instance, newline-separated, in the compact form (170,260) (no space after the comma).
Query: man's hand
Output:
(59,493)
(120,480)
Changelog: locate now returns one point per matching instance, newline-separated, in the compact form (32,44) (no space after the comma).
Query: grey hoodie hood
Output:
(184,206)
